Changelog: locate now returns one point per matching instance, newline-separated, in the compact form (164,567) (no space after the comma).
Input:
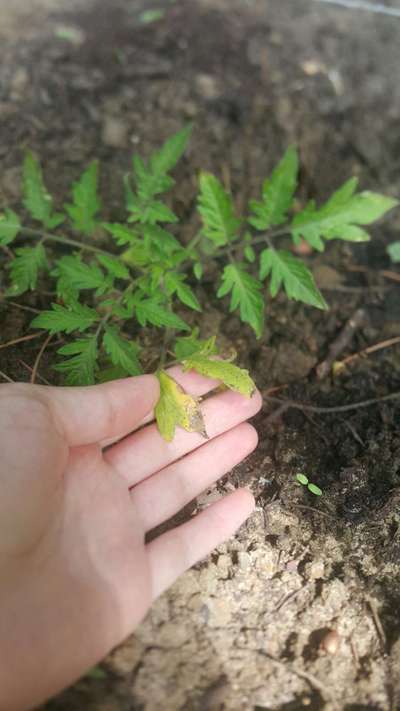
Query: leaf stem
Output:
(65,240)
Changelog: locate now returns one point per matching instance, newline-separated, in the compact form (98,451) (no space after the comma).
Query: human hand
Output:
(76,576)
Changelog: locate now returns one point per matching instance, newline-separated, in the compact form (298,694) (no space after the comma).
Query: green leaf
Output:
(81,275)
(302,479)
(277,193)
(86,203)
(175,407)
(249,253)
(73,318)
(186,346)
(37,200)
(121,233)
(314,489)
(122,352)
(10,225)
(290,272)
(152,312)
(245,294)
(175,284)
(25,268)
(167,157)
(114,266)
(393,251)
(164,241)
(155,212)
(81,368)
(341,216)
(198,270)
(231,375)
(220,225)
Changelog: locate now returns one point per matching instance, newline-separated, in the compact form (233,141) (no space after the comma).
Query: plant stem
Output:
(65,240)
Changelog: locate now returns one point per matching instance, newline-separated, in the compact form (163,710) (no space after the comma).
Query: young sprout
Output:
(303,480)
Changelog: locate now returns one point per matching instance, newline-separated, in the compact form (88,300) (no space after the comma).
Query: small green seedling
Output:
(303,480)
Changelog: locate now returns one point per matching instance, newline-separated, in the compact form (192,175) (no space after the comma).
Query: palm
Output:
(81,575)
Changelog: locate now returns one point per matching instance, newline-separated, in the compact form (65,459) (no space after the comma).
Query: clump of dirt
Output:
(248,628)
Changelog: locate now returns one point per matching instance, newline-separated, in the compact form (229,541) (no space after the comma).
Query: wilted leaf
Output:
(231,375)
(175,407)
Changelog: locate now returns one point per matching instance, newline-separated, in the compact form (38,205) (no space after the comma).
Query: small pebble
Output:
(330,643)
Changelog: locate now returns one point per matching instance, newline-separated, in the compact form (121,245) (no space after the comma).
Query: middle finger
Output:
(146,452)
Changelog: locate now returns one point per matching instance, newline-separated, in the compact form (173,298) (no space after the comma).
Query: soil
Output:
(302,608)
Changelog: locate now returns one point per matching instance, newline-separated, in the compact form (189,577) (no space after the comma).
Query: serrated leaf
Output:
(341,216)
(121,233)
(10,226)
(155,212)
(149,311)
(81,368)
(166,158)
(25,268)
(81,275)
(293,274)
(245,294)
(393,251)
(175,284)
(114,266)
(186,346)
(122,352)
(137,256)
(72,318)
(215,205)
(86,203)
(231,375)
(37,200)
(164,241)
(277,193)
(175,407)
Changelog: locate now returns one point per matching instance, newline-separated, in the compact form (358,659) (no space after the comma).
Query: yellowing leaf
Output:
(231,375)
(175,407)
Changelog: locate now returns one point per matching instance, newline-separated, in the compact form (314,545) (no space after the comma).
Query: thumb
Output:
(96,413)
(33,457)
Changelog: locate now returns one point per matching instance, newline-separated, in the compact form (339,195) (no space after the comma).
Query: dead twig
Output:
(387,273)
(15,341)
(39,356)
(3,375)
(336,408)
(341,342)
(21,306)
(314,510)
(370,349)
(29,367)
(377,622)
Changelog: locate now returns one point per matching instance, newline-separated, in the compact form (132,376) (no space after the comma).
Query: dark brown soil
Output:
(244,629)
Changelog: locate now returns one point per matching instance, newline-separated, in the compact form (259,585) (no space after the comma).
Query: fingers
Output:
(167,492)
(192,382)
(145,452)
(90,414)
(176,551)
